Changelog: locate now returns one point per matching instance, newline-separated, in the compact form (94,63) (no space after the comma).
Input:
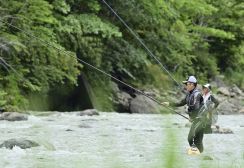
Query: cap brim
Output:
(184,82)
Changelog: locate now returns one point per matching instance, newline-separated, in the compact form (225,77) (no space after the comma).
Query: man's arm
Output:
(178,104)
(216,102)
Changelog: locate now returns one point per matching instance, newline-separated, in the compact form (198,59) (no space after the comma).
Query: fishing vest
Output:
(191,99)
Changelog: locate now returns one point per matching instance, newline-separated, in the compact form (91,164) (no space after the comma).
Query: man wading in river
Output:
(194,101)
(211,103)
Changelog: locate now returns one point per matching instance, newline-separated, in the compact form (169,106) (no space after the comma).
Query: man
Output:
(211,104)
(194,101)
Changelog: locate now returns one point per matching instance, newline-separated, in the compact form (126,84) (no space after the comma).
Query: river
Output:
(113,140)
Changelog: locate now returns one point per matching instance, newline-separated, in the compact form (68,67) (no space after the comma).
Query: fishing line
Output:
(142,43)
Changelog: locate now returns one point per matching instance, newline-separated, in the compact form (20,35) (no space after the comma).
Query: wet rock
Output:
(224,91)
(13,116)
(22,143)
(142,104)
(218,130)
(88,112)
(68,130)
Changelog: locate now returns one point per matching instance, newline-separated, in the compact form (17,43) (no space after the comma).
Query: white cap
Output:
(207,86)
(191,79)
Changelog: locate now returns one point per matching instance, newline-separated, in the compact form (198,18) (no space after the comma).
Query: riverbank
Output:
(231,99)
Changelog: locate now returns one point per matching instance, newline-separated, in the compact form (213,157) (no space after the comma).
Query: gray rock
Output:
(236,89)
(218,130)
(13,116)
(151,93)
(241,110)
(88,112)
(218,81)
(226,108)
(237,104)
(224,91)
(22,143)
(220,97)
(123,101)
(142,104)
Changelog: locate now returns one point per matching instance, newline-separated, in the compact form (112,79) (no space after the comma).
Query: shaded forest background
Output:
(200,37)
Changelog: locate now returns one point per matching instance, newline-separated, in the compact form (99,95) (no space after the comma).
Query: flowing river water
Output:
(113,140)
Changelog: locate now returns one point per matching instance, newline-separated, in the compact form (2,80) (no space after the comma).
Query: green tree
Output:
(37,66)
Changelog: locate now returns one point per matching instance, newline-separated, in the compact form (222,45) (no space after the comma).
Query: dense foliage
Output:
(200,37)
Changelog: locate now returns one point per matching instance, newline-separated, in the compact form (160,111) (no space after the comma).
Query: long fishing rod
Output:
(48,44)
(142,43)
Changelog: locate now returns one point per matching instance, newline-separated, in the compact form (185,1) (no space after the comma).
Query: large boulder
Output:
(13,116)
(142,104)
(122,98)
(235,89)
(226,108)
(123,101)
(224,90)
(237,104)
(88,112)
(22,143)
